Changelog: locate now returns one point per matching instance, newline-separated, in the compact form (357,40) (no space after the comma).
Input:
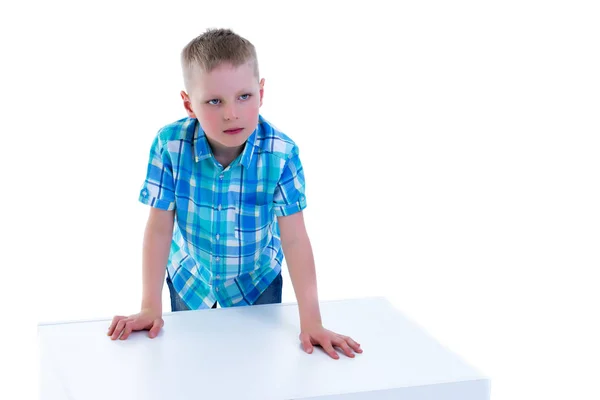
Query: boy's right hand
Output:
(147,319)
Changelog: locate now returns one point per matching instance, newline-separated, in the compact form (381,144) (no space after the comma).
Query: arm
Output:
(300,262)
(289,202)
(157,242)
(158,192)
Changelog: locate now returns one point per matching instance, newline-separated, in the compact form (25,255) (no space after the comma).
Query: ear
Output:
(262,90)
(187,104)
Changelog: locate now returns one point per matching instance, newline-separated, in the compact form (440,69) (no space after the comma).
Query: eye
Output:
(214,102)
(245,96)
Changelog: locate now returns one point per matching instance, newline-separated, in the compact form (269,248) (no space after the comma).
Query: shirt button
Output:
(218,276)
(219,207)
(218,236)
(217,289)
(218,258)
(221,176)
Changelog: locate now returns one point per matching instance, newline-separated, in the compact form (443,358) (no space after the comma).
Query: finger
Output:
(353,344)
(129,325)
(158,323)
(328,347)
(306,344)
(118,329)
(341,343)
(113,324)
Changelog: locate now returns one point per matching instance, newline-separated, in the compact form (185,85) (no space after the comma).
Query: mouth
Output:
(233,131)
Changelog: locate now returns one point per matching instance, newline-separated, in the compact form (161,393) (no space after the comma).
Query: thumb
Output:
(158,323)
(306,344)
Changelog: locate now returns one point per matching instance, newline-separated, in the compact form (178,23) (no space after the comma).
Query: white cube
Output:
(254,353)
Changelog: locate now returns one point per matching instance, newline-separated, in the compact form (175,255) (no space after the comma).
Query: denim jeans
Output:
(271,295)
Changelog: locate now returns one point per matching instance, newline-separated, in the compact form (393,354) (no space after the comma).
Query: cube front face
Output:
(467,390)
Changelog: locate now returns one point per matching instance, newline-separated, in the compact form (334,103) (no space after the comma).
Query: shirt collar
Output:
(202,148)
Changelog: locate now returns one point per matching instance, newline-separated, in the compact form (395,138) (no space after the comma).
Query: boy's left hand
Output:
(327,339)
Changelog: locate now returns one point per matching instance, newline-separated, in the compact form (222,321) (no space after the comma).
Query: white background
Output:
(451,153)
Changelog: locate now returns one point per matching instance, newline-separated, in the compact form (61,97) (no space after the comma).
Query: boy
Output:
(215,183)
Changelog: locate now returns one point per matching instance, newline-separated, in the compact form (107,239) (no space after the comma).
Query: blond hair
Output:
(215,47)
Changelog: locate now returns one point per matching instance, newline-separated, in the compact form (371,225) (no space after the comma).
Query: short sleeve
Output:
(158,189)
(289,195)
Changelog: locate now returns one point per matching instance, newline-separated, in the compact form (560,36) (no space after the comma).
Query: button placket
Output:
(219,221)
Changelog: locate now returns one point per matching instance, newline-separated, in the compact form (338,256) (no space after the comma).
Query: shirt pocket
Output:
(253,224)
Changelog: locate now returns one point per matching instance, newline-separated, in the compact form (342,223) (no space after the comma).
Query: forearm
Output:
(301,265)
(155,254)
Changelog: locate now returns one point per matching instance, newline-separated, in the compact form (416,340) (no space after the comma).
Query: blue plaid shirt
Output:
(226,245)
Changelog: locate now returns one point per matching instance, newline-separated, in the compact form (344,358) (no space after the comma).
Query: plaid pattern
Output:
(226,244)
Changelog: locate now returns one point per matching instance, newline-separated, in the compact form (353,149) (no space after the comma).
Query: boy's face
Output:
(226,102)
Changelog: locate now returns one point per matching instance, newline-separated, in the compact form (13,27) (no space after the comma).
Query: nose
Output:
(229,112)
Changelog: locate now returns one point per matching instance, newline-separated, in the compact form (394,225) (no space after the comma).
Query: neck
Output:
(225,155)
